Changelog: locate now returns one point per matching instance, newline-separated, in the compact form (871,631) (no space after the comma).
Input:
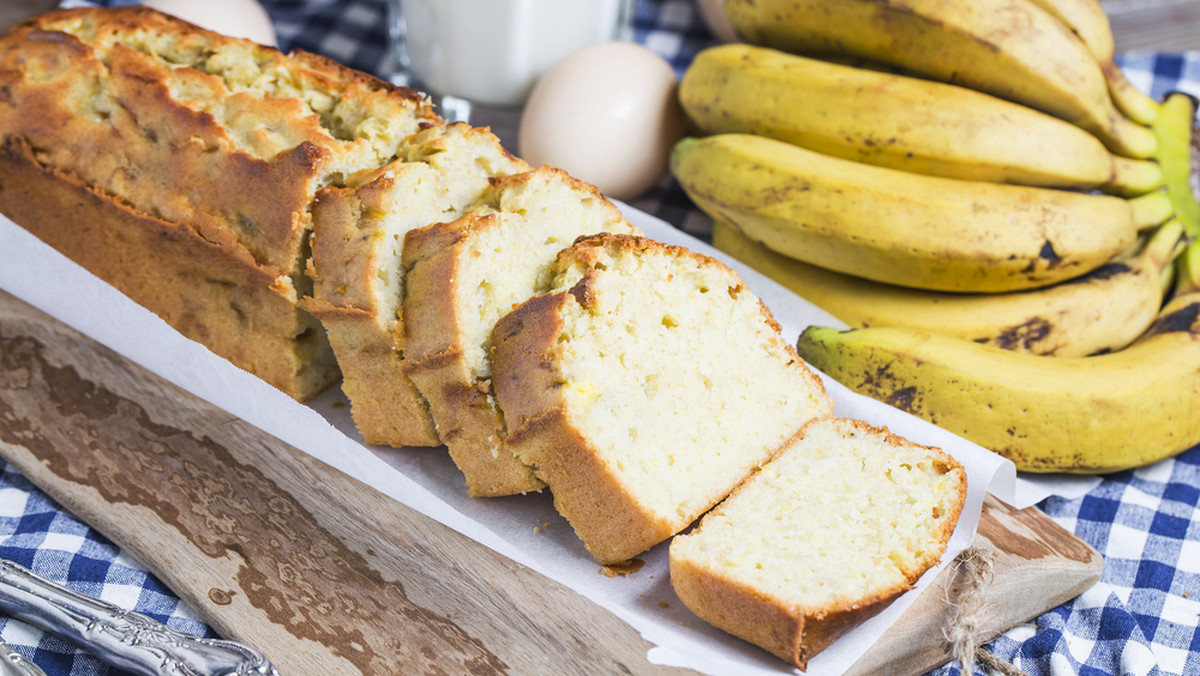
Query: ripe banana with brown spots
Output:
(1087,19)
(908,229)
(1095,414)
(899,122)
(1012,49)
(1101,311)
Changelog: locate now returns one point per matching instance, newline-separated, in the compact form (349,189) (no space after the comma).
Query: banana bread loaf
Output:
(358,278)
(820,539)
(467,274)
(181,166)
(644,388)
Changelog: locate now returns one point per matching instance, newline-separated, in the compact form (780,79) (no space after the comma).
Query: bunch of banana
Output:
(1102,311)
(979,190)
(1013,49)
(1092,414)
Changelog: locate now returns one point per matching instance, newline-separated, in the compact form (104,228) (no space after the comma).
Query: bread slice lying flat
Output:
(357,249)
(823,537)
(644,388)
(465,275)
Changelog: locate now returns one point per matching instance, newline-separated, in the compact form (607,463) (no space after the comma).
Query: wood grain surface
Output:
(325,575)
(271,546)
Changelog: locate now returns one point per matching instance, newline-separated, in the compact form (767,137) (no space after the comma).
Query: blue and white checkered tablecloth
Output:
(1141,618)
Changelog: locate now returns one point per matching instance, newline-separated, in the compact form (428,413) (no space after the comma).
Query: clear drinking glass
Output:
(479,59)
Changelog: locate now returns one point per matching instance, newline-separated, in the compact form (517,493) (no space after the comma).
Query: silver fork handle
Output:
(13,663)
(122,638)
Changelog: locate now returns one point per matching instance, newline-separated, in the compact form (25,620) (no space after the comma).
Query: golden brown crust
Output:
(524,372)
(745,612)
(740,611)
(386,406)
(791,633)
(467,420)
(613,528)
(104,101)
(105,24)
(174,142)
(173,272)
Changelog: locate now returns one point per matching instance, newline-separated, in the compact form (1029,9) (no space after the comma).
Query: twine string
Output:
(968,630)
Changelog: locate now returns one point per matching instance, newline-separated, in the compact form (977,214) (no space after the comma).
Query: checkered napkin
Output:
(1141,618)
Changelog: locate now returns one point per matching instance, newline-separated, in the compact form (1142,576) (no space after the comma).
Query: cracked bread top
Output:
(189,126)
(438,174)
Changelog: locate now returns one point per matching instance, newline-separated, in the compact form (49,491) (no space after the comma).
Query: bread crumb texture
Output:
(835,520)
(676,372)
(841,522)
(439,173)
(537,215)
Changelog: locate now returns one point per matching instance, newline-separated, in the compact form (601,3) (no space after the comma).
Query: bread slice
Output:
(358,238)
(465,275)
(155,127)
(823,537)
(644,388)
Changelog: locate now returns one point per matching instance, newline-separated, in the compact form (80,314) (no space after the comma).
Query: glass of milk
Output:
(489,53)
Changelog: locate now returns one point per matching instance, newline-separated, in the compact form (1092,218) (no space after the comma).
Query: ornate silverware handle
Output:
(125,639)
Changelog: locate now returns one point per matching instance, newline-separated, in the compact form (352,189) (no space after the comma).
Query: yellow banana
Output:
(902,228)
(1100,312)
(899,122)
(1134,177)
(1087,19)
(1009,48)
(1094,414)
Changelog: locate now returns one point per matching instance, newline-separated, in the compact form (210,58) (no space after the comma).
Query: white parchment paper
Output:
(524,528)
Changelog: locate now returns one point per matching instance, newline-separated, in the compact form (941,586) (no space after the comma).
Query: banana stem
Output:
(1151,209)
(1174,129)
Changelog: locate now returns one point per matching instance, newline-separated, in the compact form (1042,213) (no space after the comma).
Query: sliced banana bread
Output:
(357,249)
(181,166)
(823,537)
(465,275)
(644,388)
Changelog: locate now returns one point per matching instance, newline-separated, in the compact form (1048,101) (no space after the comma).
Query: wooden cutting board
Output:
(325,575)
